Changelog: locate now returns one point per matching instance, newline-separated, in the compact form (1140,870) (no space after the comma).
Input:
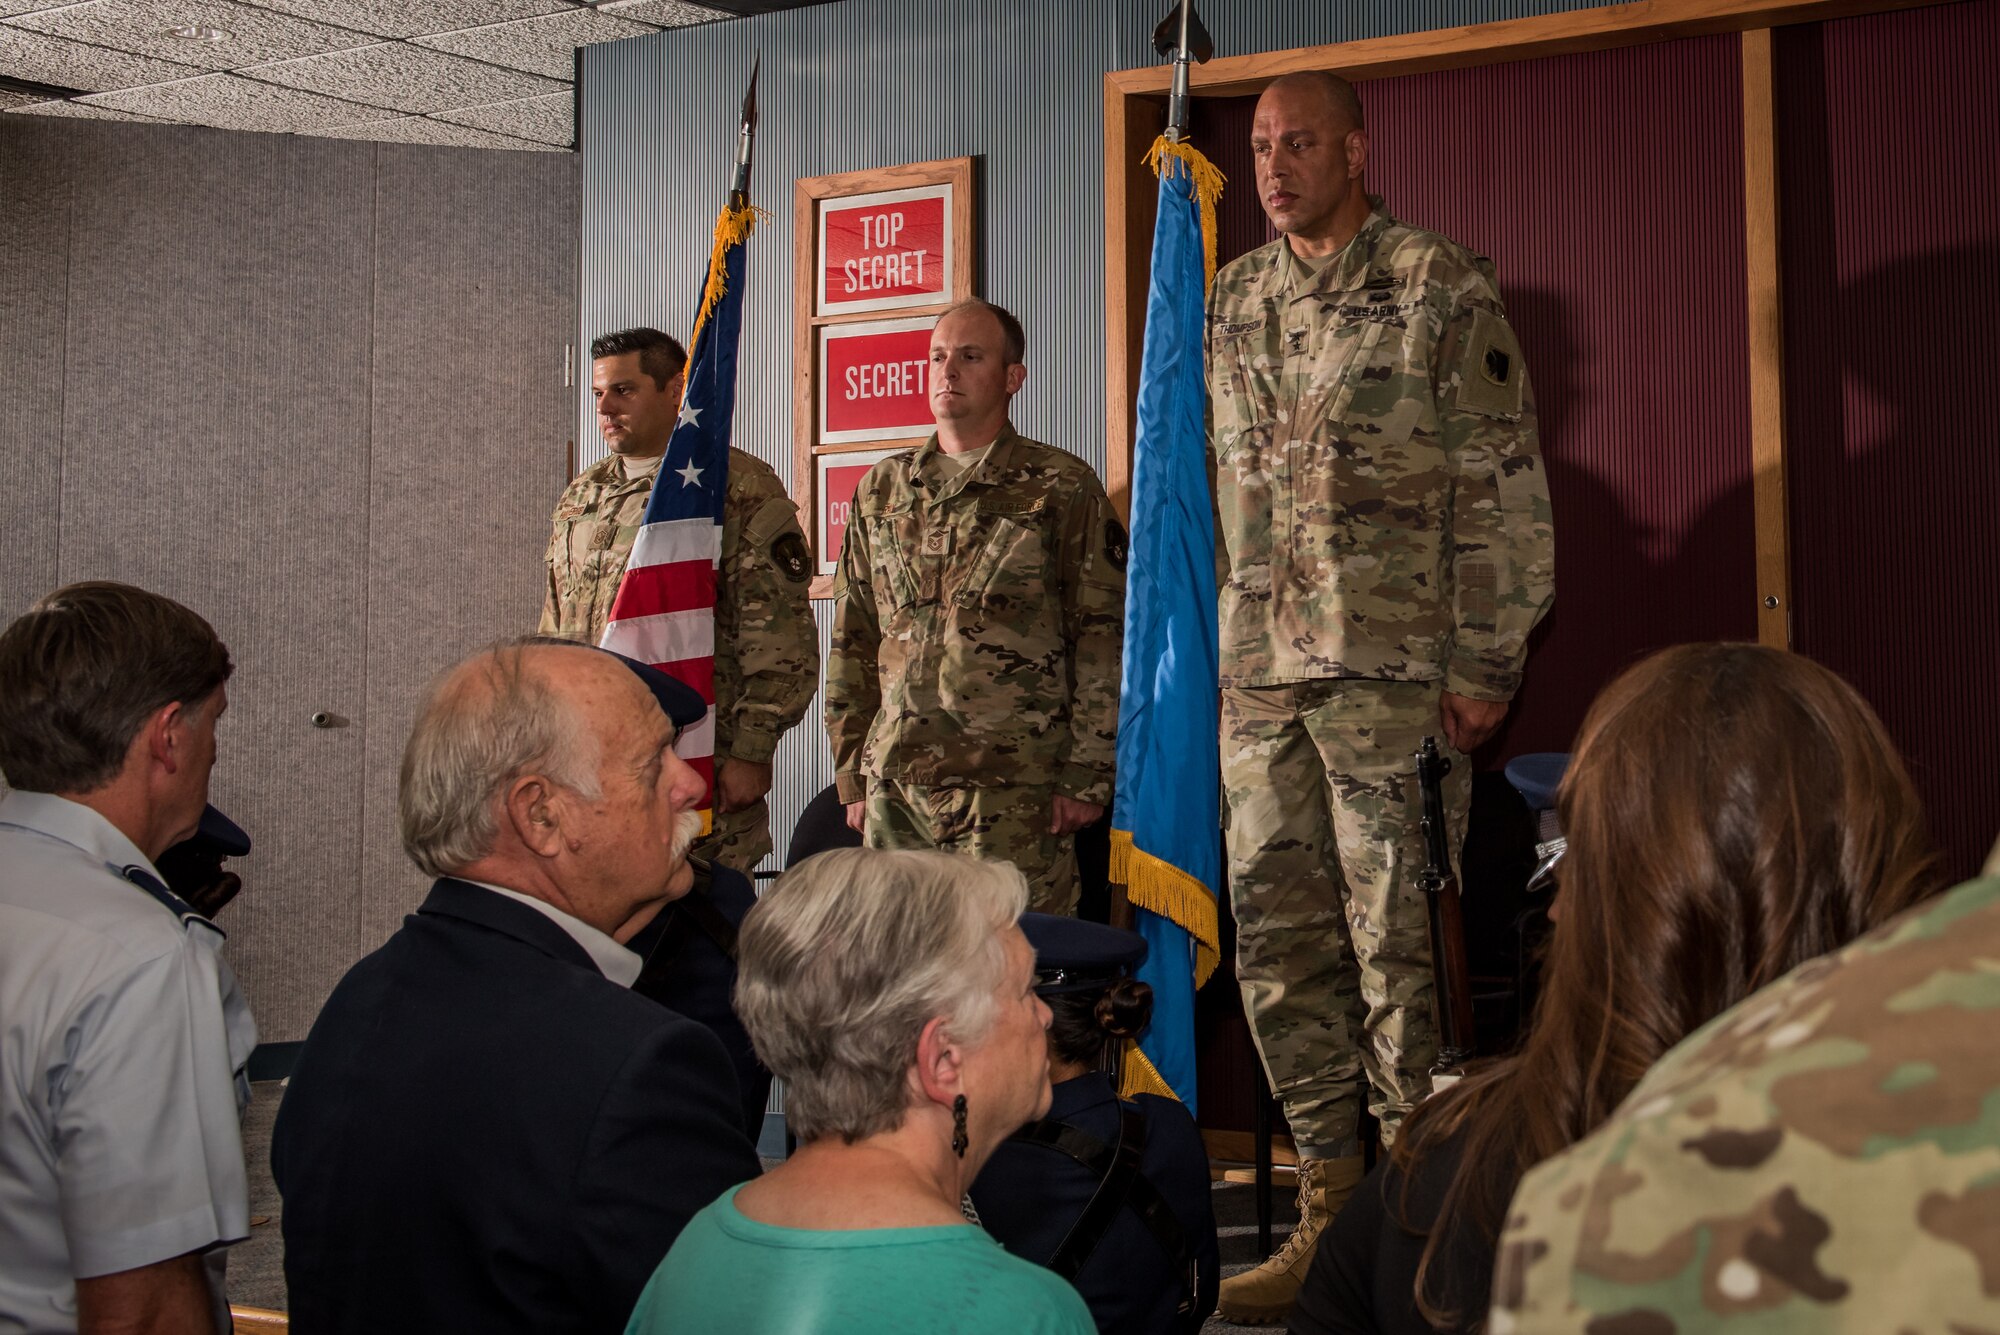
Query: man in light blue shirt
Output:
(123,1036)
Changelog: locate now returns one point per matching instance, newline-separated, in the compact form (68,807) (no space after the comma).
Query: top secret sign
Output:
(885,251)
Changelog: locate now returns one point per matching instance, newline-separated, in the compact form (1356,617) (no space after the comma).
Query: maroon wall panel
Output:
(1890,153)
(1608,190)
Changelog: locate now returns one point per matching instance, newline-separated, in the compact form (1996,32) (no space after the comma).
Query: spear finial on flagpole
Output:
(1182,38)
(739,189)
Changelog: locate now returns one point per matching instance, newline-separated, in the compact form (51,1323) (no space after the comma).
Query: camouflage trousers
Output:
(1332,934)
(740,840)
(1003,824)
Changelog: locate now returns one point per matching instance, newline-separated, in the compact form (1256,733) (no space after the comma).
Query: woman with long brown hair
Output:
(1732,811)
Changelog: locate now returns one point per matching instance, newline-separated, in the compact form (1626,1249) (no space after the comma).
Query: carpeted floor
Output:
(257,1267)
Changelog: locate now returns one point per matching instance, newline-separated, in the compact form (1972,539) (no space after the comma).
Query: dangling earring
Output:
(959,1142)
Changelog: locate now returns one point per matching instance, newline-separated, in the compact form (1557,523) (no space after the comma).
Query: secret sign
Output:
(885,251)
(874,380)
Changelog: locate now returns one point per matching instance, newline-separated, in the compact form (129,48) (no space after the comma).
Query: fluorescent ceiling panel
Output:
(402,77)
(142,26)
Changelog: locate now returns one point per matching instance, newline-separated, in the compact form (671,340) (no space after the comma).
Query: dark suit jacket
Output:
(1028,1196)
(484,1133)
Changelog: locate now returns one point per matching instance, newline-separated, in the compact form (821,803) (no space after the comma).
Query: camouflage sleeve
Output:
(1092,555)
(1501,536)
(551,621)
(853,677)
(768,624)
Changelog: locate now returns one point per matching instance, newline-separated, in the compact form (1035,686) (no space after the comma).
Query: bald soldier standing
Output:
(1383,549)
(972,696)
(766,646)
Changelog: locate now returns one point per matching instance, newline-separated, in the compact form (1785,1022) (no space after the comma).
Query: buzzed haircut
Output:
(83,669)
(1013,338)
(1338,92)
(661,356)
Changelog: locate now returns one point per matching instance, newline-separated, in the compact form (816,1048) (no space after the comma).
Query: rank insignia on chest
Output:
(937,542)
(1295,341)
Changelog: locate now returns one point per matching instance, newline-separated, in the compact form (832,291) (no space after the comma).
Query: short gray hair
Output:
(485,723)
(849,956)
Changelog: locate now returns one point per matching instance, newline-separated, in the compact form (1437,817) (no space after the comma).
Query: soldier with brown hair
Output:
(1383,548)
(972,695)
(766,646)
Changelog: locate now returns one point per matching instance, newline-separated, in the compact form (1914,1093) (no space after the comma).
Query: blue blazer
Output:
(483,1132)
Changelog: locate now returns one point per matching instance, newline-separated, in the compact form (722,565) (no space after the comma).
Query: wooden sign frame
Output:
(809,196)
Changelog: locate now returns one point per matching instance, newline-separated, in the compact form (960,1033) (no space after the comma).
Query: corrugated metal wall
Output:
(870,83)
(1890,150)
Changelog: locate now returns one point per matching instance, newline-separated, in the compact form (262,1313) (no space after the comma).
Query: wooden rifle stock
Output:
(1453,982)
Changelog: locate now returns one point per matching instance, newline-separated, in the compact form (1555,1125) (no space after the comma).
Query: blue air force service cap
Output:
(1536,778)
(1076,956)
(679,701)
(222,834)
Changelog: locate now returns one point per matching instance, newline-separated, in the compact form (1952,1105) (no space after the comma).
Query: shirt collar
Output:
(77,825)
(617,963)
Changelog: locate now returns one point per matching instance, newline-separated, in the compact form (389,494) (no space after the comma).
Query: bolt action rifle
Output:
(1452,991)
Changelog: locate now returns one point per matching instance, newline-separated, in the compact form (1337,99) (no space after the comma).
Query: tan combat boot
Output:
(1265,1295)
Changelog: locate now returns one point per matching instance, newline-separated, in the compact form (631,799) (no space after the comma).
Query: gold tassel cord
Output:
(1158,886)
(1141,1077)
(732,227)
(1208,182)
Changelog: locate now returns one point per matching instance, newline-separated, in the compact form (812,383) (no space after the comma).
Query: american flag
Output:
(664,613)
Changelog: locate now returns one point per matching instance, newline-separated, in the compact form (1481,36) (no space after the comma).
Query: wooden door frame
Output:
(1135,109)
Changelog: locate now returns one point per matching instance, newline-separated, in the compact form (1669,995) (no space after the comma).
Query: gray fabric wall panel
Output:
(34,272)
(314,390)
(471,428)
(235,267)
(870,83)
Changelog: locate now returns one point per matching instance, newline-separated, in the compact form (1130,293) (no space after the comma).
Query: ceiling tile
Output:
(404,78)
(30,6)
(141,26)
(547,120)
(232,102)
(67,64)
(403,18)
(8,101)
(84,111)
(424,130)
(544,45)
(665,13)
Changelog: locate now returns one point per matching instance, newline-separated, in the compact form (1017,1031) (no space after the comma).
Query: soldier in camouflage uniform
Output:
(972,695)
(766,646)
(1383,549)
(1824,1157)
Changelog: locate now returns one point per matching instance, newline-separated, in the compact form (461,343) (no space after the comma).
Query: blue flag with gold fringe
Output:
(1166,843)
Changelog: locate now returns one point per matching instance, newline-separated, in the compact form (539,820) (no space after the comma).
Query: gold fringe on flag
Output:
(732,227)
(1140,1077)
(1158,886)
(1208,181)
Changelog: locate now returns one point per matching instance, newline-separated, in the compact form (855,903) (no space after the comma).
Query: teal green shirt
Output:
(727,1272)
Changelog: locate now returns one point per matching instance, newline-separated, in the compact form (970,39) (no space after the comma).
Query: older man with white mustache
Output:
(487,1129)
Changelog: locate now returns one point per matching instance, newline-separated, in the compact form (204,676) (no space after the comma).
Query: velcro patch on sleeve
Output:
(1491,376)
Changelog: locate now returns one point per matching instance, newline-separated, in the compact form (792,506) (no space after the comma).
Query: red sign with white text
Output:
(874,380)
(882,251)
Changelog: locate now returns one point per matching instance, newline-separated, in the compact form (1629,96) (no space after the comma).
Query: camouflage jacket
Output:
(766,645)
(1824,1157)
(1380,504)
(977,625)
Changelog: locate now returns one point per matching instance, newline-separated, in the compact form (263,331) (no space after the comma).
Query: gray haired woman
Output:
(894,995)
